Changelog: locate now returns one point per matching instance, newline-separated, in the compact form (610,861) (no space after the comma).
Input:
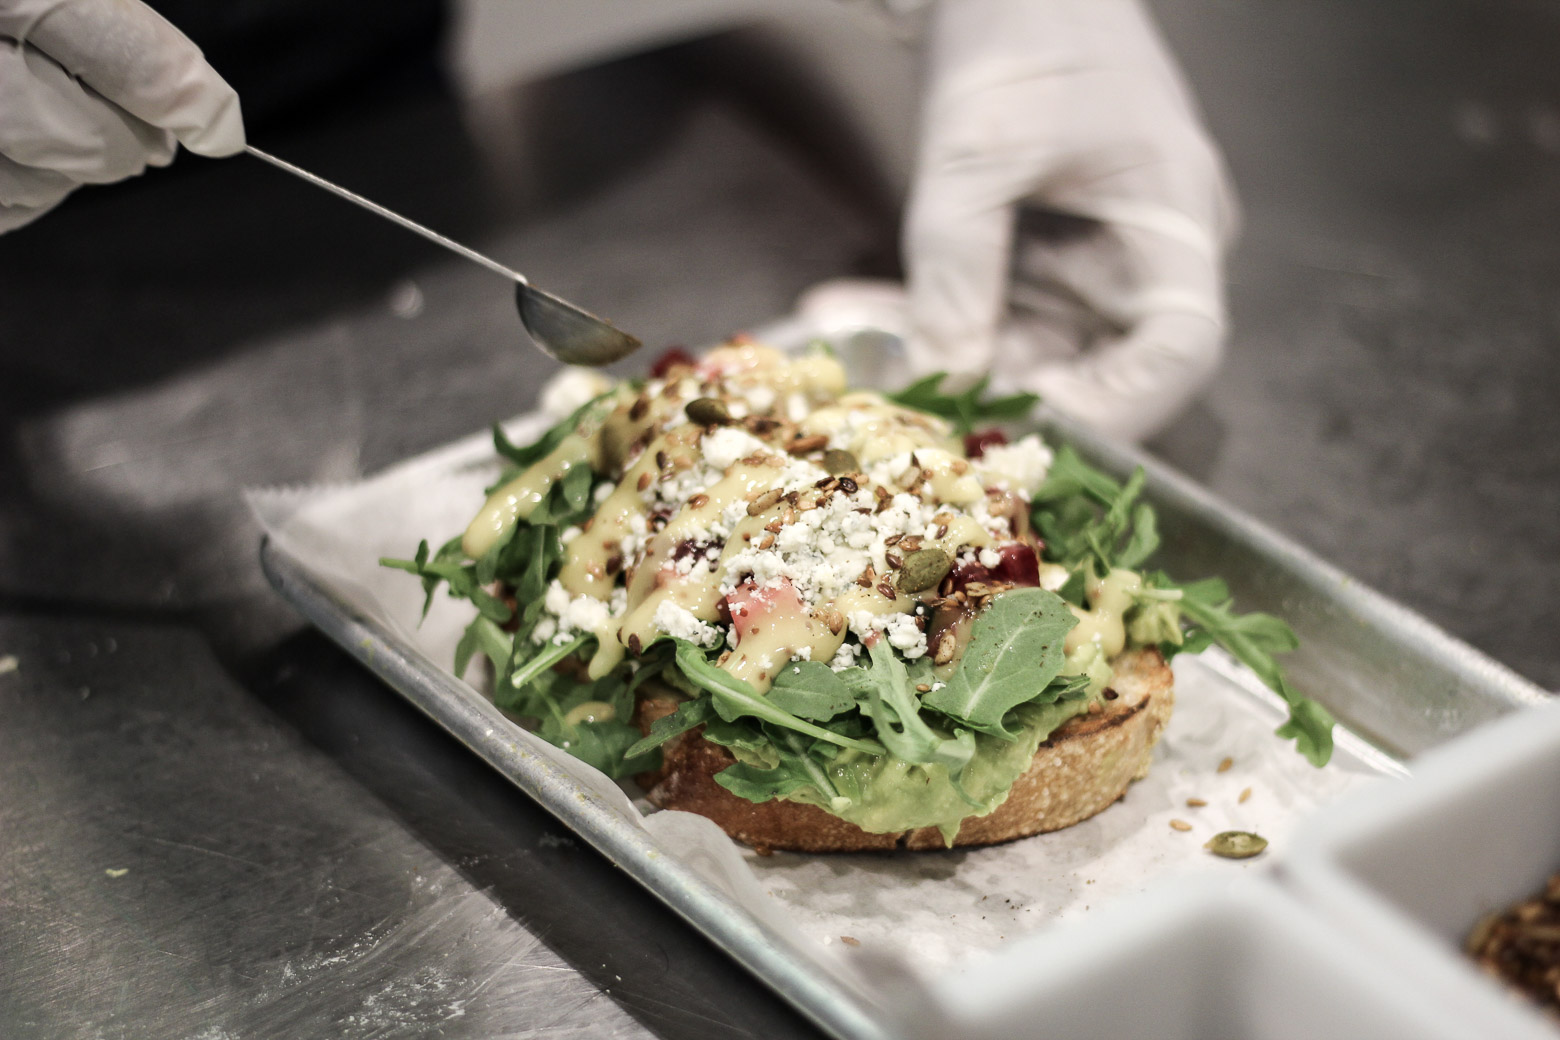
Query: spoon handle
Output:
(432,236)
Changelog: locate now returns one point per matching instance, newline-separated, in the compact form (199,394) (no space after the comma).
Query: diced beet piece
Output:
(975,444)
(749,606)
(669,359)
(1019,565)
(965,572)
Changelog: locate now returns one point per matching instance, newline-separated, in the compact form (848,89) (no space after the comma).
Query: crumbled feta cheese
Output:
(1019,467)
(901,631)
(759,397)
(573,615)
(603,491)
(799,474)
(990,559)
(724,445)
(905,635)
(585,612)
(796,407)
(568,534)
(845,657)
(680,623)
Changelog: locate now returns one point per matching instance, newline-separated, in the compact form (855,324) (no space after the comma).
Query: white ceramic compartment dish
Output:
(1188,960)
(1408,869)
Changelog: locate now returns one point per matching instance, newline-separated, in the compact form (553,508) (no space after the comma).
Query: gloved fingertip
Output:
(221,135)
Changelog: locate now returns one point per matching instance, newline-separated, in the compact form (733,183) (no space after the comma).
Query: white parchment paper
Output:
(929,910)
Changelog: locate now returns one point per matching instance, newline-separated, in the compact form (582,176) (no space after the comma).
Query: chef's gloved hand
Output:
(93,91)
(1069,213)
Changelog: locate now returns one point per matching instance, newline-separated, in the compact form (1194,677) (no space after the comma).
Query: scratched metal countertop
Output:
(213,824)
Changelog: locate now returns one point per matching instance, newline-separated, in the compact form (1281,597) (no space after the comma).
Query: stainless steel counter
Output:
(214,824)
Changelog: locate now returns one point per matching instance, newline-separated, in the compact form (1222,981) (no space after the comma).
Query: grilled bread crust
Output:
(1084,766)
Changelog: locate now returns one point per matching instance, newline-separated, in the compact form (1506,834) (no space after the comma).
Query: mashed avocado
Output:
(888,794)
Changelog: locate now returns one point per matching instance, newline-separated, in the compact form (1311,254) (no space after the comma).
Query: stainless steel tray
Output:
(1387,673)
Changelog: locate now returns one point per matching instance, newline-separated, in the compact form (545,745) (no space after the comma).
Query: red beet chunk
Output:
(670,358)
(1018,566)
(749,606)
(975,444)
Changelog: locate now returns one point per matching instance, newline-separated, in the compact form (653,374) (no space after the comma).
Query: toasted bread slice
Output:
(1084,766)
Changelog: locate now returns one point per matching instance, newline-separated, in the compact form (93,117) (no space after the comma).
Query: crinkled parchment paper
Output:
(929,909)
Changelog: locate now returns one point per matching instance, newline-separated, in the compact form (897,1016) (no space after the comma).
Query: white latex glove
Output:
(1071,107)
(93,91)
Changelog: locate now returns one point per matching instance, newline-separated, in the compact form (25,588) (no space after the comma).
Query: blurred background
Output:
(307,855)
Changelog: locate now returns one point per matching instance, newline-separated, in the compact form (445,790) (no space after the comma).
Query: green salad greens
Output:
(910,720)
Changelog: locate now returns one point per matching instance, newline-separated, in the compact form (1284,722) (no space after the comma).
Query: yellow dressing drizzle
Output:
(623,545)
(1109,598)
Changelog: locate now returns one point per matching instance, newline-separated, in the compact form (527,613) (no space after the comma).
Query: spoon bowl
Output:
(566,332)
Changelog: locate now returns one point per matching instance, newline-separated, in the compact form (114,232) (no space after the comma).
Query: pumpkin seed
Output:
(1236,844)
(840,462)
(923,569)
(707,411)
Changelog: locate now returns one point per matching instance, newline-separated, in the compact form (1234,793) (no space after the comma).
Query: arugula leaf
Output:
(735,698)
(797,768)
(811,690)
(762,785)
(568,501)
(482,634)
(524,669)
(1015,651)
(689,714)
(1085,516)
(1253,639)
(1066,688)
(1074,587)
(1143,541)
(891,699)
(529,455)
(593,722)
(446,566)
(966,409)
(528,563)
(608,745)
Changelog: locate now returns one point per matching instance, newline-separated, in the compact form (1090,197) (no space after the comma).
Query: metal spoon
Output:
(559,328)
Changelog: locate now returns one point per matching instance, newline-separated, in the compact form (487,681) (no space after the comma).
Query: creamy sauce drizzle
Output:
(671,528)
